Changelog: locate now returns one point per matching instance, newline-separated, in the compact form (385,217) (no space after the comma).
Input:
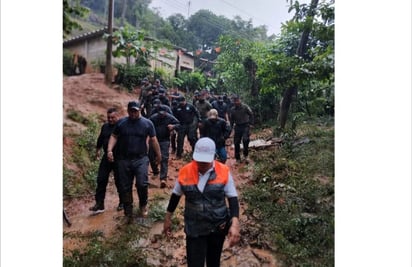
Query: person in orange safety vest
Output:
(206,183)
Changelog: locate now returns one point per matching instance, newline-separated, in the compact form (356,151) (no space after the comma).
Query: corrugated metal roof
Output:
(101,31)
(86,36)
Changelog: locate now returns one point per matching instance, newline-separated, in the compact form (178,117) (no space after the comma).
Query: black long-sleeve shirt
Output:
(241,115)
(160,122)
(186,114)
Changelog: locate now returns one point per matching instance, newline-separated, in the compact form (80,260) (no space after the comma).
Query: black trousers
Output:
(128,170)
(191,131)
(209,248)
(242,134)
(105,168)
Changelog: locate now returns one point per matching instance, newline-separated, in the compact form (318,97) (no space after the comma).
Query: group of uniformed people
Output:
(165,119)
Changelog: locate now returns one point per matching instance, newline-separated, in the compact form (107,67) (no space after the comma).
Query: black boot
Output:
(98,208)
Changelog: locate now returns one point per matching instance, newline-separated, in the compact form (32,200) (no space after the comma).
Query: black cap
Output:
(162,110)
(181,98)
(133,105)
(156,101)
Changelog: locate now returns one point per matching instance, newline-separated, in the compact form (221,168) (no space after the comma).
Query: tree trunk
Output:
(285,105)
(254,89)
(108,77)
(301,51)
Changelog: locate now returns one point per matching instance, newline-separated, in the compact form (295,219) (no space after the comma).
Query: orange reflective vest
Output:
(204,212)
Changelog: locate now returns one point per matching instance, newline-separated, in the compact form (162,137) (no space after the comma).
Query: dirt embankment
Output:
(87,94)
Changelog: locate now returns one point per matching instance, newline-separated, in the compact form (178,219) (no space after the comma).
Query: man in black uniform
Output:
(222,108)
(173,134)
(203,106)
(105,166)
(164,123)
(188,116)
(130,137)
(157,104)
(146,97)
(242,117)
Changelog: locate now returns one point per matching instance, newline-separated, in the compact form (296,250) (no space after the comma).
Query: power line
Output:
(175,5)
(251,16)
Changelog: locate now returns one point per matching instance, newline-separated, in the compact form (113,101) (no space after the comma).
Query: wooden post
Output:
(108,78)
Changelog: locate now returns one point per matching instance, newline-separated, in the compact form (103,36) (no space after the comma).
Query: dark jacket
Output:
(216,129)
(104,136)
(160,122)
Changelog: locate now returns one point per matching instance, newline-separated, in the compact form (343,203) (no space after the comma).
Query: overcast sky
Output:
(262,12)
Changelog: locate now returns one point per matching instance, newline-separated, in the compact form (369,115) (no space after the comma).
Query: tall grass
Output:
(292,196)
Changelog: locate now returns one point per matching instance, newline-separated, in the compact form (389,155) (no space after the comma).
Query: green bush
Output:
(68,65)
(84,158)
(192,81)
(130,76)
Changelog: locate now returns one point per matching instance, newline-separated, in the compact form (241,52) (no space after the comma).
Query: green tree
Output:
(129,44)
(281,70)
(72,9)
(230,67)
(291,91)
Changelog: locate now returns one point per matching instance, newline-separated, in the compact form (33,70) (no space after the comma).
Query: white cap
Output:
(205,149)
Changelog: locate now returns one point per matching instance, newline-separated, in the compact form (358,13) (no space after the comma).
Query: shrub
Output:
(68,65)
(84,157)
(130,76)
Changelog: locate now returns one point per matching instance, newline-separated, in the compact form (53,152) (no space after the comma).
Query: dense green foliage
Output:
(293,195)
(83,157)
(67,62)
(273,66)
(131,76)
(72,9)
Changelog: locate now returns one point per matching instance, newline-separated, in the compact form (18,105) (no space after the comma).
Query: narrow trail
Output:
(87,94)
(160,250)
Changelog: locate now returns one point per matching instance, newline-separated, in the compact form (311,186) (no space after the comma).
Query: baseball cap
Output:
(205,149)
(133,105)
(212,114)
(162,110)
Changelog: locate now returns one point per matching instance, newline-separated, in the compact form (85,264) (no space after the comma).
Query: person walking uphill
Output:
(105,166)
(206,184)
(242,117)
(129,136)
(164,123)
(188,116)
(218,130)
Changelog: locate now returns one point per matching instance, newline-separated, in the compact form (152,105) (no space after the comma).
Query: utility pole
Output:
(108,77)
(188,9)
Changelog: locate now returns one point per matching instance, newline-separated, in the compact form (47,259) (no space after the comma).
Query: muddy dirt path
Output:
(162,251)
(87,94)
